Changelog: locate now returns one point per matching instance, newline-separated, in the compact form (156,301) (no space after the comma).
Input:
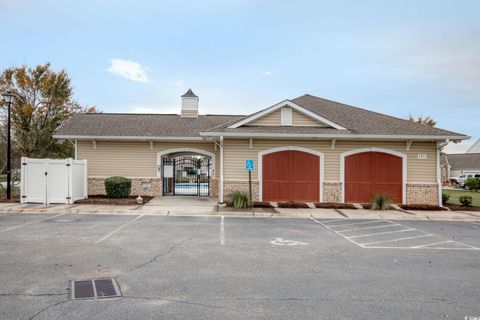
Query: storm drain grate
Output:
(94,289)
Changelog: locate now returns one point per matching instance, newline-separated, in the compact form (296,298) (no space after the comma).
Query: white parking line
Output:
(358,223)
(222,231)
(335,220)
(399,239)
(31,222)
(370,245)
(431,244)
(379,233)
(119,228)
(356,243)
(376,227)
(425,248)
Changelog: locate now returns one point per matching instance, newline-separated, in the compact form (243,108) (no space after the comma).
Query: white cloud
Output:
(451,61)
(130,70)
(266,73)
(177,83)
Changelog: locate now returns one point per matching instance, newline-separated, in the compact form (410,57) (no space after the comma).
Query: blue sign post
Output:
(249,165)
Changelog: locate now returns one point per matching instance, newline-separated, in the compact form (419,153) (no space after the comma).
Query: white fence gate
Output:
(53,181)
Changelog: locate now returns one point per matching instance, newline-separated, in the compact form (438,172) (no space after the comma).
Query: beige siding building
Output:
(307,149)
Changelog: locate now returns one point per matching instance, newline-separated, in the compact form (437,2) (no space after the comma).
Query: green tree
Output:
(44,100)
(427,120)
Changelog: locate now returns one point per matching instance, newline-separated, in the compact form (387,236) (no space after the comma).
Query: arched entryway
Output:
(186,172)
(372,171)
(290,174)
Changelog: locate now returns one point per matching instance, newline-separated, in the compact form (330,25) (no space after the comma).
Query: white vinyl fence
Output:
(53,180)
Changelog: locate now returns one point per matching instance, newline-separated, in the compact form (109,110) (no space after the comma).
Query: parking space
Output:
(386,234)
(214,267)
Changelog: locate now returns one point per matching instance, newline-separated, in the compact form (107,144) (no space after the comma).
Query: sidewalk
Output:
(209,209)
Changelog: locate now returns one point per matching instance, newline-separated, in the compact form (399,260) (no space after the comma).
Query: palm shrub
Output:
(466,200)
(381,202)
(118,187)
(445,197)
(238,199)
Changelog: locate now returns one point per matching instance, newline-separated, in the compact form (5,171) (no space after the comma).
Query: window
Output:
(286,117)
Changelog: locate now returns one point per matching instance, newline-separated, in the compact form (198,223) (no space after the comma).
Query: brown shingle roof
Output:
(139,125)
(358,121)
(361,121)
(464,161)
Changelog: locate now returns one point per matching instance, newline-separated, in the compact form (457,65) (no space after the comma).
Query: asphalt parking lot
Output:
(171,267)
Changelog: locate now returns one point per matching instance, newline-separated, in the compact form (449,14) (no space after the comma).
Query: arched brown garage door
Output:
(370,173)
(291,176)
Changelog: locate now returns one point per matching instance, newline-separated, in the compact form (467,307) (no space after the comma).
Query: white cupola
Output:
(189,104)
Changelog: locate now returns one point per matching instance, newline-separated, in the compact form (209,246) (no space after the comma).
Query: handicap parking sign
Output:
(249,165)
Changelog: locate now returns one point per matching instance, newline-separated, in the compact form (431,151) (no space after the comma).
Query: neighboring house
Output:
(306,149)
(475,148)
(463,163)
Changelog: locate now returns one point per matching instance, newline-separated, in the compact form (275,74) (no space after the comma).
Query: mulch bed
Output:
(332,205)
(262,204)
(9,201)
(420,207)
(293,205)
(99,199)
(456,207)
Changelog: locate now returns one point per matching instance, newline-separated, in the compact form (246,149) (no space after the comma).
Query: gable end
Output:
(272,116)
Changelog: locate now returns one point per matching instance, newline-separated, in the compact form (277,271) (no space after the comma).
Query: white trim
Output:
(287,148)
(221,170)
(76,148)
(333,135)
(129,138)
(160,154)
(408,144)
(375,149)
(268,135)
(293,106)
(439,175)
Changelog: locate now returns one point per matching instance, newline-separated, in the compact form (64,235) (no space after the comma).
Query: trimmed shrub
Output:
(472,184)
(238,199)
(466,201)
(118,187)
(445,197)
(381,202)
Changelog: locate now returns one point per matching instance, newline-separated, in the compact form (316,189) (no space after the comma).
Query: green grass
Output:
(456,194)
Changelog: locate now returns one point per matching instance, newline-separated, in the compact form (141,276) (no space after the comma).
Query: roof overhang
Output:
(332,136)
(291,104)
(126,138)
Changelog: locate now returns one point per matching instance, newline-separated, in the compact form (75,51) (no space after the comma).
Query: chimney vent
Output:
(189,104)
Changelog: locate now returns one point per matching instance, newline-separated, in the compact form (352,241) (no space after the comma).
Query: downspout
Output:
(221,171)
(439,170)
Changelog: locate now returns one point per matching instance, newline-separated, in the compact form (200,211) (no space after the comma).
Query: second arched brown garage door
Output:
(371,173)
(291,176)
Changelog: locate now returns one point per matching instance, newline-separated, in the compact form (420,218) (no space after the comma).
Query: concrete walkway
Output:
(190,206)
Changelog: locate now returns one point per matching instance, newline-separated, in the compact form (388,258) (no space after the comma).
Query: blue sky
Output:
(396,57)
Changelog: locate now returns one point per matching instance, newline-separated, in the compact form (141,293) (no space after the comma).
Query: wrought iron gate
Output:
(186,175)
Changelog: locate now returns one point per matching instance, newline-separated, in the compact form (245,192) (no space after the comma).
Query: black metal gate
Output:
(186,175)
